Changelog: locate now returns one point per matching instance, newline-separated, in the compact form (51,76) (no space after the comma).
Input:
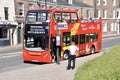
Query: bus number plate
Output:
(34,60)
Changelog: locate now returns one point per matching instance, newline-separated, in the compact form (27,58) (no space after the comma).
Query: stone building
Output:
(21,8)
(82,8)
(8,26)
(109,10)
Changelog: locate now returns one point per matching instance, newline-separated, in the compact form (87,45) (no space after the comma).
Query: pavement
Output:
(111,35)
(10,50)
(10,47)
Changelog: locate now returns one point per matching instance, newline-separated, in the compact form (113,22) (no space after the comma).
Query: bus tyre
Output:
(66,55)
(25,61)
(92,50)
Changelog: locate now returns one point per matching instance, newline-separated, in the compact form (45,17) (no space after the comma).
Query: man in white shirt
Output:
(73,49)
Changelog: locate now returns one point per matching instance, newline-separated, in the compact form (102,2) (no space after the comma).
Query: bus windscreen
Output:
(36,36)
(36,42)
(40,16)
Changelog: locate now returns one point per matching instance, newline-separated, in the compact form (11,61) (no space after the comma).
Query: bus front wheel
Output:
(66,55)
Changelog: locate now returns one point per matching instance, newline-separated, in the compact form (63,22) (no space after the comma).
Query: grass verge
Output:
(106,67)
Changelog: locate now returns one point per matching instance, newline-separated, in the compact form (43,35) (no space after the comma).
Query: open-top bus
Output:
(42,26)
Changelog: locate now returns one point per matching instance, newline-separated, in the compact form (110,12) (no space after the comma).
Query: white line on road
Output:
(3,55)
(111,38)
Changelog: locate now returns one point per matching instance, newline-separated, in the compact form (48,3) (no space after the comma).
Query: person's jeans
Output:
(71,58)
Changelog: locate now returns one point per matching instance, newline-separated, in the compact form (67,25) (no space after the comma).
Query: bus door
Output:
(82,45)
(53,48)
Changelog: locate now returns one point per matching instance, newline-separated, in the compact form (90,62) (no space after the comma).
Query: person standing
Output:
(73,49)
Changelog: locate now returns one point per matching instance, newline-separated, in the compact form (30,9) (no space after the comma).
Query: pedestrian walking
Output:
(73,49)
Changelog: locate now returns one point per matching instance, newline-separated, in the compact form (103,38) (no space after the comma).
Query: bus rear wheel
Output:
(66,55)
(92,50)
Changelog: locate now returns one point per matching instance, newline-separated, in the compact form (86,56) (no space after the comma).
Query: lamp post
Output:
(57,44)
(9,29)
(45,3)
(95,8)
(118,23)
(38,2)
(119,16)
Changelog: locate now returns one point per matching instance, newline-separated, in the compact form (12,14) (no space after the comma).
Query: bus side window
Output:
(74,17)
(75,38)
(66,17)
(87,37)
(93,37)
(66,39)
(57,17)
(82,38)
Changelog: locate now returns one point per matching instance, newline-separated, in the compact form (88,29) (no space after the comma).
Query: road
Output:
(13,63)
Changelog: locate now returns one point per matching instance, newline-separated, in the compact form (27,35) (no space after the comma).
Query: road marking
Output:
(3,55)
(111,38)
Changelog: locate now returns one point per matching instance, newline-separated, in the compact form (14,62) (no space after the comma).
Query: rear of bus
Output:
(36,36)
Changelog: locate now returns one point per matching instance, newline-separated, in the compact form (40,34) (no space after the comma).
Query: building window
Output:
(50,7)
(97,2)
(42,6)
(104,27)
(6,13)
(97,13)
(114,2)
(54,0)
(104,2)
(104,13)
(112,27)
(70,1)
(88,14)
(3,33)
(21,9)
(115,26)
(31,6)
(113,13)
(117,14)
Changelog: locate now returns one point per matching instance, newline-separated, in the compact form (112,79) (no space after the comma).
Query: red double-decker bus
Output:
(42,27)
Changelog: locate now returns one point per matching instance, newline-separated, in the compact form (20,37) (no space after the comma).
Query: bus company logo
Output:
(91,27)
(83,26)
(62,26)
